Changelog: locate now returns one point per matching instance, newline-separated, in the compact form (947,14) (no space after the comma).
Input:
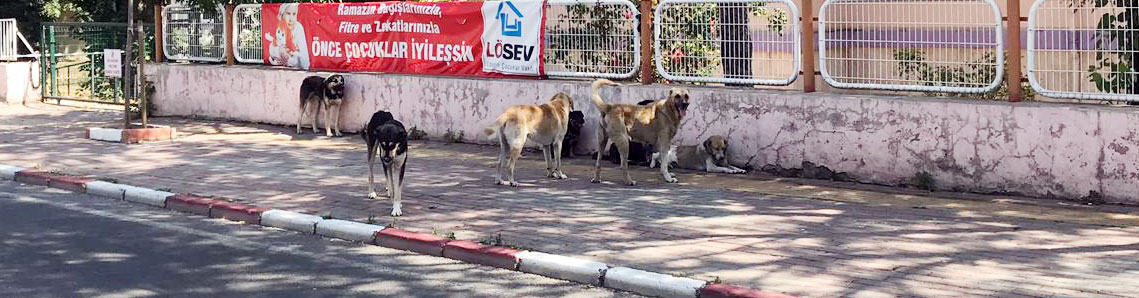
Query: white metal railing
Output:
(8,39)
(952,46)
(190,34)
(750,42)
(9,34)
(592,38)
(247,33)
(1073,54)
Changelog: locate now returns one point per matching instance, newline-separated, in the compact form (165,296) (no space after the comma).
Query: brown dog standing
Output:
(543,124)
(655,123)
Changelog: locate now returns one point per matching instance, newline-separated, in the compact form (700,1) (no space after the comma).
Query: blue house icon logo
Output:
(510,21)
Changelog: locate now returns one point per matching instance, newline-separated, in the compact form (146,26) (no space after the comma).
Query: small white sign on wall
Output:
(113,63)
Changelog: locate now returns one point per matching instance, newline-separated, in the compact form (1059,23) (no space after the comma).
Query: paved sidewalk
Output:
(802,238)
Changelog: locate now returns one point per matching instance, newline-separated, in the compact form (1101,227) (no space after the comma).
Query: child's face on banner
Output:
(289,14)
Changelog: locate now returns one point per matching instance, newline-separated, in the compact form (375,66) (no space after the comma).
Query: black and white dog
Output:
(319,94)
(388,136)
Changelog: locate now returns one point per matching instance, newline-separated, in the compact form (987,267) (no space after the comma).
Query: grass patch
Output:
(415,134)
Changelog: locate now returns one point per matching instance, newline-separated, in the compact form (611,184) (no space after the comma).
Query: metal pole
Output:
(808,46)
(158,55)
(143,97)
(54,61)
(647,42)
(43,64)
(229,34)
(1012,26)
(128,89)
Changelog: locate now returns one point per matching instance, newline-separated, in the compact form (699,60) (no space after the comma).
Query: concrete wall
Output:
(19,82)
(1036,149)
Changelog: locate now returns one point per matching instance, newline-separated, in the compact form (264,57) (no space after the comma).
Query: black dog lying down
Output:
(388,136)
(639,153)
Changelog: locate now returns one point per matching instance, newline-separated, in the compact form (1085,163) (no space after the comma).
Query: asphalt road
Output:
(59,244)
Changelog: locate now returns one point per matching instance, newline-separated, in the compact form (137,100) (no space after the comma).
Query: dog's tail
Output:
(493,129)
(597,93)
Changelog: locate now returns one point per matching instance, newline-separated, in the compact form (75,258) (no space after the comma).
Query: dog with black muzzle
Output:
(654,123)
(710,156)
(322,94)
(385,134)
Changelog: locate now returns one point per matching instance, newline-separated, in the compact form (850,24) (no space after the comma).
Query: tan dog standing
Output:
(710,156)
(543,124)
(655,123)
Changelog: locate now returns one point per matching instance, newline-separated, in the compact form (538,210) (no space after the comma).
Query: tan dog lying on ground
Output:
(654,123)
(710,156)
(543,124)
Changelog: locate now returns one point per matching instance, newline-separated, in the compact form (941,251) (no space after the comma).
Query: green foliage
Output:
(913,65)
(1118,29)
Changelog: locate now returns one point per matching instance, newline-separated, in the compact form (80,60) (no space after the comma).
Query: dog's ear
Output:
(708,144)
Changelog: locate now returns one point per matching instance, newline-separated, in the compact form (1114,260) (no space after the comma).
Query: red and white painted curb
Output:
(549,265)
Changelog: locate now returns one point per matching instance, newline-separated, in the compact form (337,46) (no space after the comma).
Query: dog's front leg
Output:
(663,141)
(328,119)
(388,180)
(712,167)
(557,150)
(371,171)
(397,185)
(336,124)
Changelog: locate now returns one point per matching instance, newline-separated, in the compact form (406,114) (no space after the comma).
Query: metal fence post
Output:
(808,46)
(53,61)
(1013,28)
(228,34)
(647,42)
(158,55)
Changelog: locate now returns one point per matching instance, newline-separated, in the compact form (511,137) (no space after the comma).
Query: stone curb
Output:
(146,196)
(650,283)
(290,220)
(107,189)
(473,252)
(190,204)
(562,267)
(9,172)
(237,212)
(549,265)
(348,230)
(422,243)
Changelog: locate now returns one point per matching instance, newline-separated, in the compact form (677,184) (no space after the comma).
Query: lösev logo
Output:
(510,28)
(511,36)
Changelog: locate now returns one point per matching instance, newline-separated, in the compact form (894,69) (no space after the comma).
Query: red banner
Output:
(390,37)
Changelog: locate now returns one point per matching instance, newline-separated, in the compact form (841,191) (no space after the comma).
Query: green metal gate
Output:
(72,60)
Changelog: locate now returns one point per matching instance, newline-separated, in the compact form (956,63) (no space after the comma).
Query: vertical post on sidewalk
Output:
(647,42)
(141,91)
(228,34)
(1012,27)
(128,87)
(808,46)
(158,55)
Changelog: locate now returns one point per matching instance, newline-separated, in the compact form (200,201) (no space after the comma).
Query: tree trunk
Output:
(735,41)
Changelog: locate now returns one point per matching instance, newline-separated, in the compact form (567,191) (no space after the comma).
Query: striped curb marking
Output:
(548,265)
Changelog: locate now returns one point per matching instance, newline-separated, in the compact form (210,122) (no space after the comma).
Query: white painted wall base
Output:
(1036,149)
